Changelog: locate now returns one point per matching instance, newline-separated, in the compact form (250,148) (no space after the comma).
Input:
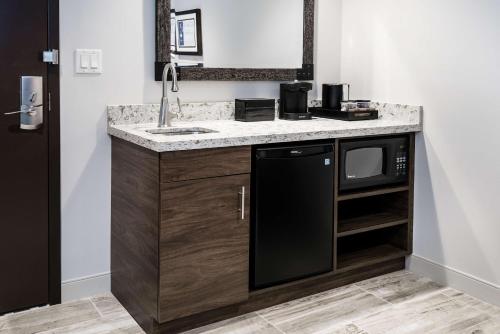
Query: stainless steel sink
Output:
(179,131)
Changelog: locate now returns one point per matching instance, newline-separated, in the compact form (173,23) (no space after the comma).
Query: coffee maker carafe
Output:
(294,101)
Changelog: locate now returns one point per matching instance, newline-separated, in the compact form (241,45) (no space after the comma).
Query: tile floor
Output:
(397,303)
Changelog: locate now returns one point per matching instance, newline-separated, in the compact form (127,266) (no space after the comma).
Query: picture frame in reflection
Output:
(188,34)
(173,31)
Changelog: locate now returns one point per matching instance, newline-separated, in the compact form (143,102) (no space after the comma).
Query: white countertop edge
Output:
(257,139)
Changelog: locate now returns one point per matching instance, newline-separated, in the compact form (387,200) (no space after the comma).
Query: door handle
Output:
(242,195)
(31,110)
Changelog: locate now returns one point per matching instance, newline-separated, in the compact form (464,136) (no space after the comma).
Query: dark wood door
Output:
(204,245)
(24,159)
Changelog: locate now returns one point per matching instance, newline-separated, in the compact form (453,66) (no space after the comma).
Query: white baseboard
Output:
(98,284)
(456,279)
(85,287)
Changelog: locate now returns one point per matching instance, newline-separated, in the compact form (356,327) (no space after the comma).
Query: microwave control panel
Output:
(401,163)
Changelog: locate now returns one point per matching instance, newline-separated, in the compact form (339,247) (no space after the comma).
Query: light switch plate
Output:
(88,61)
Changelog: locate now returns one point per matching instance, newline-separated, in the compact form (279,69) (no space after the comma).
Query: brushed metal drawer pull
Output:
(242,203)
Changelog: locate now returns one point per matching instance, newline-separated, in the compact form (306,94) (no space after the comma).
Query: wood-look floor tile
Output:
(466,300)
(107,304)
(299,305)
(115,323)
(327,313)
(457,322)
(400,286)
(491,326)
(343,329)
(247,324)
(450,292)
(416,306)
(48,318)
(435,313)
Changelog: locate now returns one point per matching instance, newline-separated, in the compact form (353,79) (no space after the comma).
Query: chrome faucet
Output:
(165,114)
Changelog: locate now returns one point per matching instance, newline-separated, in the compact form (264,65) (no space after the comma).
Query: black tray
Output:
(361,115)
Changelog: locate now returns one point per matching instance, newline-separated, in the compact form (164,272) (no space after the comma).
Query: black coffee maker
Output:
(294,101)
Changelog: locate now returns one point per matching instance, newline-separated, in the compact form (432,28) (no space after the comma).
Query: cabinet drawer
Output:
(199,164)
(204,245)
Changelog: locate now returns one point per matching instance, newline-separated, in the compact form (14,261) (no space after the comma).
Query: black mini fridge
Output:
(292,218)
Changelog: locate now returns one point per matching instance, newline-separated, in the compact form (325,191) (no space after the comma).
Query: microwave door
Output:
(370,163)
(364,163)
(364,166)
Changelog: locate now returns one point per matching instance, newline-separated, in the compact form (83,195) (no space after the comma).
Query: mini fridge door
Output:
(292,223)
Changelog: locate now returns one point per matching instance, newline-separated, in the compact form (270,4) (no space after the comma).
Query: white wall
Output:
(442,55)
(124,30)
(249,34)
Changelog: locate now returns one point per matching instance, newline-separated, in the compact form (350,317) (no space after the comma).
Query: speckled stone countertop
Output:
(130,122)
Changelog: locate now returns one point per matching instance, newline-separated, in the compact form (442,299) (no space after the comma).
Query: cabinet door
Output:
(204,245)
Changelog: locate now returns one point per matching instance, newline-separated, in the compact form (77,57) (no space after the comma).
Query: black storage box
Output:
(255,110)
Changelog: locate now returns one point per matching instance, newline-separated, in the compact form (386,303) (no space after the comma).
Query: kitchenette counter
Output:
(393,119)
(181,209)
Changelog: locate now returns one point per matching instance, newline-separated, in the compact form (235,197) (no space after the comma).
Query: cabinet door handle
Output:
(242,203)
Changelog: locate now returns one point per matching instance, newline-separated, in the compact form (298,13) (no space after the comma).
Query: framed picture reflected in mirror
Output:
(188,35)
(173,31)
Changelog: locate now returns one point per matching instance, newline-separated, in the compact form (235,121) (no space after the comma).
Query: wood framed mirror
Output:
(236,40)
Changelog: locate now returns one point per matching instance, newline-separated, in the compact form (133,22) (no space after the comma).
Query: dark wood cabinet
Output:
(180,236)
(134,229)
(204,245)
(180,231)
(374,225)
(200,164)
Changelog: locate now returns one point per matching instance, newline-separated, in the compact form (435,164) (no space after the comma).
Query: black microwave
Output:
(374,162)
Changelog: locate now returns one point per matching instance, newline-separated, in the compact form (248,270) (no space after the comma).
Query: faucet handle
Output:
(179,105)
(176,114)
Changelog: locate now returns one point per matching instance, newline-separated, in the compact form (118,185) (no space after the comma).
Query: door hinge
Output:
(51,57)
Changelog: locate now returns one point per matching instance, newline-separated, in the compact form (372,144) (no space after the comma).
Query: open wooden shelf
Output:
(364,214)
(367,256)
(374,192)
(370,222)
(372,247)
(373,225)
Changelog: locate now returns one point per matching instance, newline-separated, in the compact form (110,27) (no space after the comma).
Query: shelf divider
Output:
(376,192)
(368,256)
(371,222)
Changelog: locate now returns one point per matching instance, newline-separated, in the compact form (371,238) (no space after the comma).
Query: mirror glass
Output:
(265,34)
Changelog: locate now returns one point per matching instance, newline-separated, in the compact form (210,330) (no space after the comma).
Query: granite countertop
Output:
(394,119)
